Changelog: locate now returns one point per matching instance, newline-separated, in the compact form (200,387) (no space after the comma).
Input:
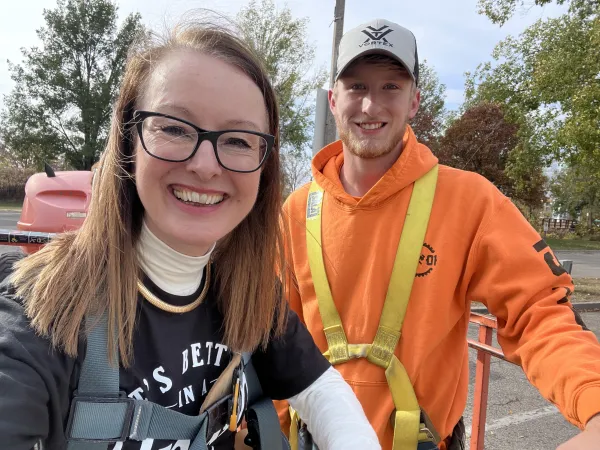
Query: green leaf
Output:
(281,42)
(60,107)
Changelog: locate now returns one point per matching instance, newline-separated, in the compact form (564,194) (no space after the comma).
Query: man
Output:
(463,241)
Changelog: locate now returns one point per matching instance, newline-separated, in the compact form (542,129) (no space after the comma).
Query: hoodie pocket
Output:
(376,400)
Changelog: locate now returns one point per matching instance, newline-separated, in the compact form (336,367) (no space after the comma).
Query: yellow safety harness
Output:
(411,424)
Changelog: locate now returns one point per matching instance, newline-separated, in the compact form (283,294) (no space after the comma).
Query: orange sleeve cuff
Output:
(587,404)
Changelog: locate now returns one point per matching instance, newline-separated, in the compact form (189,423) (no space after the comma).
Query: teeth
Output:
(195,197)
(371,126)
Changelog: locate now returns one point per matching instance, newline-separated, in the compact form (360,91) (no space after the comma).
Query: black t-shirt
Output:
(178,357)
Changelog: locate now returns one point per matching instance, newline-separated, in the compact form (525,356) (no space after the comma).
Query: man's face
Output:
(372,104)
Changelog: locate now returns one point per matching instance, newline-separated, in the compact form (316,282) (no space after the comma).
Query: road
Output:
(518,417)
(8,221)
(585,263)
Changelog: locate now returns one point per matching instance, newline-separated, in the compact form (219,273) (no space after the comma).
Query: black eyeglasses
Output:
(172,139)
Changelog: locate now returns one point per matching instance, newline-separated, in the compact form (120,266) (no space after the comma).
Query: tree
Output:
(296,171)
(499,11)
(61,104)
(482,140)
(429,122)
(281,41)
(576,191)
(4,156)
(548,81)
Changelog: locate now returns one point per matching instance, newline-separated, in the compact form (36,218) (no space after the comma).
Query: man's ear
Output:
(415,101)
(331,98)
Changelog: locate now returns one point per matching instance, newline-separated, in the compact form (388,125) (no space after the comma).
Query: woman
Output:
(178,254)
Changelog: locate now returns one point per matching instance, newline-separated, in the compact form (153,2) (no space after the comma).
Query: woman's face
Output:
(190,205)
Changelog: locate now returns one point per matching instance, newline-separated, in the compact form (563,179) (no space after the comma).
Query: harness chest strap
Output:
(408,429)
(101,415)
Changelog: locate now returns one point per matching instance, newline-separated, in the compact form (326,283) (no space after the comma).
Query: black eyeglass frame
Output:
(203,135)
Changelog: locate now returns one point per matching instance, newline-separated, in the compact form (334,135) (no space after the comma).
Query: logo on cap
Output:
(376,36)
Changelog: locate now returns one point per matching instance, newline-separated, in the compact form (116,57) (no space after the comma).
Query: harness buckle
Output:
(429,428)
(87,405)
(423,429)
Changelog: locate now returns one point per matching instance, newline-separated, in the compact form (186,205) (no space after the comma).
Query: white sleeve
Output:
(333,414)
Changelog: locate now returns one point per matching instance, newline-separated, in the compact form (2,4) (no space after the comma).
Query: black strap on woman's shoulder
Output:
(264,430)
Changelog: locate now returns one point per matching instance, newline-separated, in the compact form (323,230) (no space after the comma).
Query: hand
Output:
(589,439)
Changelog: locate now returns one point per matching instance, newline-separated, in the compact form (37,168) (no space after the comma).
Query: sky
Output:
(450,34)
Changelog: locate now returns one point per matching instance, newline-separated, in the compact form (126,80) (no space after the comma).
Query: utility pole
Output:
(338,31)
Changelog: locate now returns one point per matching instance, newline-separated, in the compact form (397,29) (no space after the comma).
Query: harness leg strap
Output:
(406,429)
(407,417)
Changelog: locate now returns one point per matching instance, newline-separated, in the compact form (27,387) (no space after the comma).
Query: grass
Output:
(12,205)
(586,290)
(573,244)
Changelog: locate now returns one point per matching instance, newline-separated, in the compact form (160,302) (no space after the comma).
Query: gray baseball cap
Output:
(383,37)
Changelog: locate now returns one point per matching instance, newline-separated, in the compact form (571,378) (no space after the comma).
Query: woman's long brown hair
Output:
(95,269)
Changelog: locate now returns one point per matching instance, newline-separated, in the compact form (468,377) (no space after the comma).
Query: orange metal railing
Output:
(485,351)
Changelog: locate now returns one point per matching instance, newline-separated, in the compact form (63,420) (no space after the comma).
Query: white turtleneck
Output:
(171,271)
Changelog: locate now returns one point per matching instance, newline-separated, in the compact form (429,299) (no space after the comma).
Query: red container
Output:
(54,204)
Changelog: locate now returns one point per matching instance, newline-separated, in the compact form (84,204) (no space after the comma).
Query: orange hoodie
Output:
(478,247)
